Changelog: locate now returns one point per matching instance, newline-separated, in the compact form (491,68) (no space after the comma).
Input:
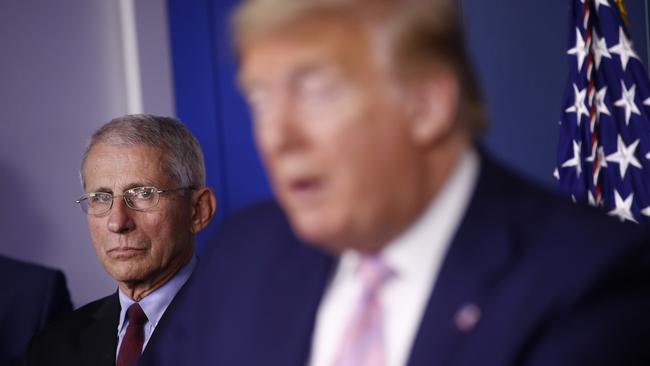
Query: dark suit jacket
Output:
(85,337)
(30,298)
(557,285)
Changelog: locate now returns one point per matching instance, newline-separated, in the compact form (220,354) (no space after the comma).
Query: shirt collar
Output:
(155,304)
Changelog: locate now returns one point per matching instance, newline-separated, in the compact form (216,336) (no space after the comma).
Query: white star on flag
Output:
(578,107)
(623,207)
(580,50)
(646,211)
(624,156)
(627,102)
(647,101)
(599,48)
(575,160)
(624,48)
(601,107)
(556,174)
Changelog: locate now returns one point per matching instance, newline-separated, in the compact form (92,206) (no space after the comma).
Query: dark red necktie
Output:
(131,346)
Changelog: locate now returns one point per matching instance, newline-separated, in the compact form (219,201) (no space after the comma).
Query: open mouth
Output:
(306,189)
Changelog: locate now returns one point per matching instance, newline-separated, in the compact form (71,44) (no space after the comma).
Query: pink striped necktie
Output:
(363,343)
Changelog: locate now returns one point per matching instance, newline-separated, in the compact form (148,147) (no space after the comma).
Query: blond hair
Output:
(422,34)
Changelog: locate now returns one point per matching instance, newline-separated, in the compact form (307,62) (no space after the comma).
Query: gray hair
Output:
(182,155)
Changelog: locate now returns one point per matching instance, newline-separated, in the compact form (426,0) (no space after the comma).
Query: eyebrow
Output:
(311,69)
(299,73)
(126,188)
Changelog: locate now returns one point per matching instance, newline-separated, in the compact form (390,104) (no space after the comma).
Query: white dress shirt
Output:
(415,256)
(154,304)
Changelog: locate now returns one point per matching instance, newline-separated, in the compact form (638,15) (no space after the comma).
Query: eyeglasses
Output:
(138,198)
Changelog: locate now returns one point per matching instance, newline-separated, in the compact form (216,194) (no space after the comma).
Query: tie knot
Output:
(136,314)
(373,271)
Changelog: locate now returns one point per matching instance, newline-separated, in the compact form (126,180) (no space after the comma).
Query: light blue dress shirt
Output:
(154,304)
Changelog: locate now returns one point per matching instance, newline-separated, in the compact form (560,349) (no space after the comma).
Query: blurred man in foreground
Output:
(145,200)
(411,246)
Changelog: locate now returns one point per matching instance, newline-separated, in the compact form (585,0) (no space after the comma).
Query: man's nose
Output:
(119,219)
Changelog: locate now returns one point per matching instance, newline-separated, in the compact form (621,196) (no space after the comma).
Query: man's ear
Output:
(204,206)
(436,99)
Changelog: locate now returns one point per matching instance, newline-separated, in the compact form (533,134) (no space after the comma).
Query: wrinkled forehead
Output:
(128,164)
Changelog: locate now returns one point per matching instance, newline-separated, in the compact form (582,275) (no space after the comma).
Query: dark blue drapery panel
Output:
(208,102)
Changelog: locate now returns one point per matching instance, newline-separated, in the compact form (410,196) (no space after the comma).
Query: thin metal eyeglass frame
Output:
(126,201)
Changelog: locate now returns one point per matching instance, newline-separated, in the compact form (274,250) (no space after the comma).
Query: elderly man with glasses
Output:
(144,178)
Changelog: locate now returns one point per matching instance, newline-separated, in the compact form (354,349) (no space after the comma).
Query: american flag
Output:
(604,146)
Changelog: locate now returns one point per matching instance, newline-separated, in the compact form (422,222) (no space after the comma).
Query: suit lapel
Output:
(477,257)
(294,291)
(98,341)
